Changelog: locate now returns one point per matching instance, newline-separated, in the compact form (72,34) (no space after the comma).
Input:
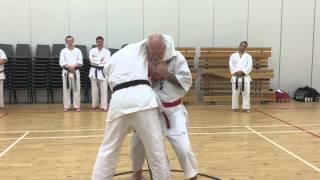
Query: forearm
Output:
(246,71)
(172,78)
(77,65)
(66,66)
(233,71)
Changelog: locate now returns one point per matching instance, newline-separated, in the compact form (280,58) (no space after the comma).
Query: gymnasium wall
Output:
(290,27)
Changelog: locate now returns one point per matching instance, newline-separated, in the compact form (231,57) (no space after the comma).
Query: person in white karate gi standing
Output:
(99,81)
(71,60)
(240,64)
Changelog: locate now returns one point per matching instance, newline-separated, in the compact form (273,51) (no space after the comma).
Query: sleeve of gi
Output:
(62,59)
(248,66)
(182,72)
(232,65)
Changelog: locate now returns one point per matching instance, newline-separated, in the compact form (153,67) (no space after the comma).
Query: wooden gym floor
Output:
(274,141)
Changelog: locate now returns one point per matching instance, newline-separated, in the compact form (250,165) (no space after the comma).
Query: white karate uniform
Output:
(2,77)
(98,78)
(177,134)
(71,57)
(133,107)
(244,64)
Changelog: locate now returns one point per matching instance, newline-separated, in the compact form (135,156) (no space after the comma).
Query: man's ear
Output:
(147,49)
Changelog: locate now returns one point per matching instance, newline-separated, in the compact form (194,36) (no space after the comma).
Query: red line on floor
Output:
(297,127)
(3,115)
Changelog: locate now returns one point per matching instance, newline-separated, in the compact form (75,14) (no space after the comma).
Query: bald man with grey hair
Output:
(133,105)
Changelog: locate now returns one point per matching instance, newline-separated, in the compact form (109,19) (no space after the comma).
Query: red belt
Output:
(169,105)
(172,104)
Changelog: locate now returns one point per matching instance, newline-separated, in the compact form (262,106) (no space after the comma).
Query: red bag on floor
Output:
(282,96)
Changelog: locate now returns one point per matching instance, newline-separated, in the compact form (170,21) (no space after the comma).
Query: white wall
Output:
(196,23)
(125,22)
(296,44)
(49,21)
(161,16)
(265,30)
(288,26)
(230,22)
(86,28)
(15,21)
(316,53)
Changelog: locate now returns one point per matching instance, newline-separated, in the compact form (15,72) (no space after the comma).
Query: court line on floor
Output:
(287,108)
(52,112)
(297,127)
(189,108)
(243,126)
(195,127)
(57,137)
(130,134)
(271,108)
(50,131)
(13,144)
(284,149)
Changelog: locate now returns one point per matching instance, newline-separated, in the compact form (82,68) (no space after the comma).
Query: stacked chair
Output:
(84,72)
(55,71)
(40,72)
(21,71)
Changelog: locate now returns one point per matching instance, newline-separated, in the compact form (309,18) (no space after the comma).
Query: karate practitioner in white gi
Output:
(133,105)
(3,60)
(171,79)
(71,60)
(240,64)
(99,81)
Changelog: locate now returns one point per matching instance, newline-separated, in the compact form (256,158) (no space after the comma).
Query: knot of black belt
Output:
(67,77)
(242,85)
(98,68)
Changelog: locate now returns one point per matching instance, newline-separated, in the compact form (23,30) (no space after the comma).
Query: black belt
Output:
(67,78)
(100,68)
(129,84)
(242,87)
(1,71)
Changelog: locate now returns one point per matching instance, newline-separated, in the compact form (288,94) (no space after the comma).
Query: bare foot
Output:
(194,178)
(104,109)
(136,176)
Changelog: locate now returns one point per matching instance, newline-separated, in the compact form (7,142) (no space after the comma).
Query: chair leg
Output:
(34,96)
(15,97)
(10,95)
(29,96)
(47,96)
(86,99)
(51,96)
